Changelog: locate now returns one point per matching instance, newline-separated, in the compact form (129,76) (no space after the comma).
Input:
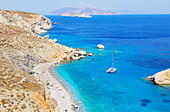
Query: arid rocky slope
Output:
(30,22)
(20,50)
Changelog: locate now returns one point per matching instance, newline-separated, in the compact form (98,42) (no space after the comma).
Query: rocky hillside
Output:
(20,50)
(81,12)
(30,22)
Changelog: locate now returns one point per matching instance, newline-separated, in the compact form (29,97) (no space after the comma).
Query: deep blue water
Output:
(143,48)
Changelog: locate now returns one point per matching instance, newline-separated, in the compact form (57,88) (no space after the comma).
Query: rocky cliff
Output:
(160,78)
(30,22)
(20,50)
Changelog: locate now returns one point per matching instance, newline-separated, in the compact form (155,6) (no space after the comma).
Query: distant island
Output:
(81,12)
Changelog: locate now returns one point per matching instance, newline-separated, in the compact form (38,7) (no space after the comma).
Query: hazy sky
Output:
(46,6)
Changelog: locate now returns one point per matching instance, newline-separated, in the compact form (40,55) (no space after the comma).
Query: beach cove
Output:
(142,50)
(55,88)
(27,82)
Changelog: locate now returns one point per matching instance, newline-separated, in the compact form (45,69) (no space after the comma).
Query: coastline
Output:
(22,51)
(53,86)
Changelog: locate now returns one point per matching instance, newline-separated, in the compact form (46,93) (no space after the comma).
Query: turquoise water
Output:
(143,48)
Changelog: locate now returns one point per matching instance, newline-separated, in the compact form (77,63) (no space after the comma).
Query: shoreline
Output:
(55,88)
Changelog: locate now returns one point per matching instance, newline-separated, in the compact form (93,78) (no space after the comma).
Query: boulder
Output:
(70,55)
(77,49)
(82,56)
(82,52)
(160,78)
(56,23)
(65,56)
(100,46)
(76,55)
(90,54)
(76,52)
(84,49)
(55,40)
(47,36)
(50,40)
(75,58)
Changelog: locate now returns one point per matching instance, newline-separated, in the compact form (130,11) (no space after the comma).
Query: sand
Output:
(55,88)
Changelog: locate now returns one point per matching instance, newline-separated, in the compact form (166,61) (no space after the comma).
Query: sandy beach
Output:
(54,87)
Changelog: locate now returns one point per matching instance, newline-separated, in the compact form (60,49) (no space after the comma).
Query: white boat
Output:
(111,69)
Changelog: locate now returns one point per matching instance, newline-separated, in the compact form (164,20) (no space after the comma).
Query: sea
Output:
(142,43)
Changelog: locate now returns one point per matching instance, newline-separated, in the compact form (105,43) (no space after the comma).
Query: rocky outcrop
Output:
(73,54)
(56,23)
(160,78)
(30,22)
(90,54)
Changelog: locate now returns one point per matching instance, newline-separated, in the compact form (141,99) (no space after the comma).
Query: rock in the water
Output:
(77,49)
(160,78)
(82,52)
(82,56)
(75,58)
(100,46)
(90,54)
(56,23)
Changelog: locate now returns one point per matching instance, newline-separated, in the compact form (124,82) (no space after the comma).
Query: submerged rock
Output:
(160,78)
(143,104)
(145,101)
(167,101)
(163,94)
